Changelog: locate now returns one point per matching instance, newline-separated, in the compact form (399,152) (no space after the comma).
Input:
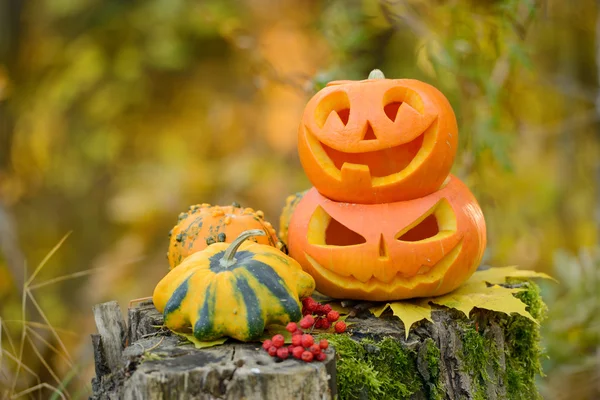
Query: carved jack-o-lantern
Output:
(377,140)
(415,248)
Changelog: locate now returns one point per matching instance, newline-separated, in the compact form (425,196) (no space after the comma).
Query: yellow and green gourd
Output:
(233,290)
(286,214)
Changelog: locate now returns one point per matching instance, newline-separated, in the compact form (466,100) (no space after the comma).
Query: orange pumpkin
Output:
(377,140)
(416,248)
(203,225)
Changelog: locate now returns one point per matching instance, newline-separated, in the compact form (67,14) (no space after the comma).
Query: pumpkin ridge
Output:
(265,228)
(177,297)
(266,276)
(254,316)
(204,326)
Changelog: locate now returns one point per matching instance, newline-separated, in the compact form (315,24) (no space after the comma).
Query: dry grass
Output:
(37,334)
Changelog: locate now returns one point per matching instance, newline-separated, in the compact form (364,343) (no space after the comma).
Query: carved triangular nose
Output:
(369,133)
(383,251)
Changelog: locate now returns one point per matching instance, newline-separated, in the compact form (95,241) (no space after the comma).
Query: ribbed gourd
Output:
(286,214)
(203,225)
(233,290)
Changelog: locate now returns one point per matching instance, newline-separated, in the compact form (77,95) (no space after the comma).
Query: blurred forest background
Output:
(117,115)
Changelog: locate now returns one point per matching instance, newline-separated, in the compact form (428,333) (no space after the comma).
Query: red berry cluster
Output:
(303,345)
(320,316)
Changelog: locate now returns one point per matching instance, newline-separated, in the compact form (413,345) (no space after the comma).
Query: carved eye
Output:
(436,223)
(334,106)
(391,110)
(323,229)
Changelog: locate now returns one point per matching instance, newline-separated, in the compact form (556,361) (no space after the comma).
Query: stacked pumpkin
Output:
(385,219)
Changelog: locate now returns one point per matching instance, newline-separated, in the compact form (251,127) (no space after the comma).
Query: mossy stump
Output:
(487,356)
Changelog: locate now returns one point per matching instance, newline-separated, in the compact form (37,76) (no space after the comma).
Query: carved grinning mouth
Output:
(432,275)
(381,163)
(381,166)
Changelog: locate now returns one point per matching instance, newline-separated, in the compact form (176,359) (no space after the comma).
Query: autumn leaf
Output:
(474,293)
(499,275)
(272,330)
(336,306)
(199,344)
(495,298)
(409,312)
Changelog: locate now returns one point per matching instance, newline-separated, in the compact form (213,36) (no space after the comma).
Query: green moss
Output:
(478,354)
(435,389)
(385,369)
(523,349)
(374,370)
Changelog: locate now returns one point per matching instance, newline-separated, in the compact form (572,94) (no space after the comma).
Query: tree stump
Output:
(155,364)
(487,356)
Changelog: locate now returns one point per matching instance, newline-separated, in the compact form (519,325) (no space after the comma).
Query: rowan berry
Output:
(266,344)
(307,340)
(291,327)
(278,340)
(283,353)
(340,327)
(307,356)
(307,322)
(333,316)
(272,351)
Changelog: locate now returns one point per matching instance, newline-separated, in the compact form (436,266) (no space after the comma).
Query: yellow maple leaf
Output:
(409,312)
(499,275)
(474,293)
(336,306)
(495,298)
(200,344)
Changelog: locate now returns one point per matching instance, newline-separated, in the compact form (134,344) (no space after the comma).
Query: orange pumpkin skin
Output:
(204,224)
(380,252)
(377,140)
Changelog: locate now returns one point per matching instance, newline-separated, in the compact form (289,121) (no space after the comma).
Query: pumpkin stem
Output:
(376,74)
(229,257)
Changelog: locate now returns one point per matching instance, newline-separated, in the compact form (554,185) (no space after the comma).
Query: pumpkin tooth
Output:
(227,220)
